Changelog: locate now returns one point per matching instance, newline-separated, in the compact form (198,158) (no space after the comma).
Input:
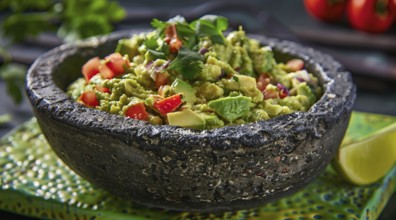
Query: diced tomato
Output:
(117,63)
(262,81)
(283,91)
(89,98)
(270,94)
(161,79)
(91,68)
(137,111)
(172,39)
(295,65)
(106,72)
(169,104)
(102,89)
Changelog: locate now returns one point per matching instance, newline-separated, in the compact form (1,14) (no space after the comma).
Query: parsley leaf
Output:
(188,63)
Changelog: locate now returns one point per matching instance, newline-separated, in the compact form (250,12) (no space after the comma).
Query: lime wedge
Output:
(369,154)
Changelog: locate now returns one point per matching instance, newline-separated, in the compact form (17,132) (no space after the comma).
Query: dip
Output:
(191,75)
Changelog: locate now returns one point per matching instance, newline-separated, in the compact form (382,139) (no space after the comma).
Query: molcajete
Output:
(176,168)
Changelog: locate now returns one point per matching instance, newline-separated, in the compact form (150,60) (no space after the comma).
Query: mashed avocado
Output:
(191,75)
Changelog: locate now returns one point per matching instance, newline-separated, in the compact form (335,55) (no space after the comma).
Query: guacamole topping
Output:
(192,75)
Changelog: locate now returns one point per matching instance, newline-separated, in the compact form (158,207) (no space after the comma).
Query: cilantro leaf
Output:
(155,23)
(188,63)
(187,34)
(212,26)
(151,43)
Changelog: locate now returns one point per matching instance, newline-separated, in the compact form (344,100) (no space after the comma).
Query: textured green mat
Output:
(35,182)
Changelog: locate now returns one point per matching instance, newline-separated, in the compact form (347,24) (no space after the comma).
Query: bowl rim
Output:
(41,93)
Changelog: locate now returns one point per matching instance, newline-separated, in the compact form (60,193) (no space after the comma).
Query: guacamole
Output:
(192,75)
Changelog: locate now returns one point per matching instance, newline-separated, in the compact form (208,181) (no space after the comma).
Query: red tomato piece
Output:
(326,10)
(102,89)
(371,15)
(106,72)
(295,65)
(262,81)
(91,68)
(89,99)
(117,63)
(172,39)
(137,111)
(161,79)
(270,94)
(169,104)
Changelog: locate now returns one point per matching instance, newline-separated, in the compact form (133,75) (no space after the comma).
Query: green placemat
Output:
(35,182)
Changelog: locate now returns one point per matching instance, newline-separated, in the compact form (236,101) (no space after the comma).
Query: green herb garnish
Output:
(187,62)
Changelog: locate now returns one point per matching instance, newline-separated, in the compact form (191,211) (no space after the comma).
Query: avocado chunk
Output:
(179,86)
(212,121)
(186,119)
(231,108)
(126,46)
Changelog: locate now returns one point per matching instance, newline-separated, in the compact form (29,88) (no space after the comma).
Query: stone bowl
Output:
(182,169)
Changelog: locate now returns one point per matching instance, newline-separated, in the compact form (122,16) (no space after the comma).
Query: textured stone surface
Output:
(182,169)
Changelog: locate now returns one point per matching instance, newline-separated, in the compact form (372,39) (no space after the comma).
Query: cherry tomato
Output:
(371,15)
(326,10)
(137,111)
(169,104)
(393,6)
(90,68)
(89,98)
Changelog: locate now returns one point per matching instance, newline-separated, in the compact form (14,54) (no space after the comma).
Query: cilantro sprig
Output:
(188,61)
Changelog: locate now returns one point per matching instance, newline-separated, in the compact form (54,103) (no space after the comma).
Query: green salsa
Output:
(192,75)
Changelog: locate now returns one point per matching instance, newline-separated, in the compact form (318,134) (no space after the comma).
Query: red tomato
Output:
(91,68)
(393,6)
(262,81)
(89,98)
(172,39)
(106,72)
(117,63)
(166,105)
(326,10)
(371,15)
(295,65)
(102,89)
(137,111)
(270,94)
(161,79)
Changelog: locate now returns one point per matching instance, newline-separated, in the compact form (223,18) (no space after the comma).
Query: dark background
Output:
(370,58)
